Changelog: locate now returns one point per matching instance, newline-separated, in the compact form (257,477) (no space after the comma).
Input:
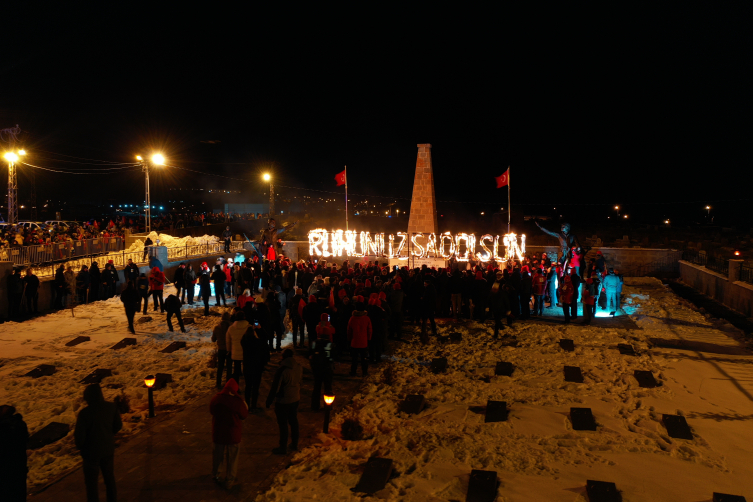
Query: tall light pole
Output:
(268,177)
(157,160)
(12,158)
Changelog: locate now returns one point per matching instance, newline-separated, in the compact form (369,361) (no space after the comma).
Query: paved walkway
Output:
(172,460)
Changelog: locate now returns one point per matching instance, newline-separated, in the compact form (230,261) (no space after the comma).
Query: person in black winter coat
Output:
(13,462)
(94,435)
(255,359)
(428,305)
(312,312)
(95,279)
(82,284)
(525,295)
(178,279)
(131,272)
(131,299)
(189,284)
(274,306)
(109,281)
(395,300)
(31,291)
(499,303)
(172,307)
(205,290)
(142,286)
(15,293)
(377,316)
(480,297)
(148,242)
(59,288)
(218,276)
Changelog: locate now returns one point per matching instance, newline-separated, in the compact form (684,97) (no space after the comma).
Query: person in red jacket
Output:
(228,409)
(538,288)
(567,296)
(157,285)
(324,329)
(359,334)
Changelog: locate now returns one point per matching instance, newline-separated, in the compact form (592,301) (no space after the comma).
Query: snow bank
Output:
(170,241)
(536,453)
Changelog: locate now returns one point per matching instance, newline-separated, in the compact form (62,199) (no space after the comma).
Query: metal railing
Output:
(119,259)
(746,274)
(42,254)
(711,262)
(181,252)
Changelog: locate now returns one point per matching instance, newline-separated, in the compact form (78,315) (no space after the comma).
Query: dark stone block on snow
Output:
(413,404)
(41,370)
(125,342)
(646,379)
(456,337)
(143,319)
(375,476)
(602,491)
(567,345)
(173,347)
(573,374)
(482,486)
(677,426)
(626,349)
(96,376)
(438,364)
(496,411)
(582,419)
(77,340)
(54,431)
(723,497)
(504,368)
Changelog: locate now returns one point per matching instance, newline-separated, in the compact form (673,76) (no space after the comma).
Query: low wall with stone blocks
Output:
(724,289)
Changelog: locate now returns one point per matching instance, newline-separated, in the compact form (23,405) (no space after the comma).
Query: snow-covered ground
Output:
(58,398)
(170,241)
(536,452)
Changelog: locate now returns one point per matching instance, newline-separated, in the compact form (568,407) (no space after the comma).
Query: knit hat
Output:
(382,295)
(230,386)
(312,299)
(396,286)
(324,317)
(341,293)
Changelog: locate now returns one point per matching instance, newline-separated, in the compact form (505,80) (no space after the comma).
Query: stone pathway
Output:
(172,460)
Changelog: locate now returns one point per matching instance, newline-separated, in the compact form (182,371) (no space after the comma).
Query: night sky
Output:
(603,108)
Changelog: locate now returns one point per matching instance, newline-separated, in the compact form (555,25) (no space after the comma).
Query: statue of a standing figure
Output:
(568,241)
(264,247)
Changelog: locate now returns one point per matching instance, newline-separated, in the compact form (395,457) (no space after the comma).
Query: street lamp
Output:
(149,382)
(708,210)
(12,158)
(328,400)
(157,160)
(268,177)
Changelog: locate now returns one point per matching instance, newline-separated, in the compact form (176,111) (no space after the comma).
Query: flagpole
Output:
(346,198)
(509,213)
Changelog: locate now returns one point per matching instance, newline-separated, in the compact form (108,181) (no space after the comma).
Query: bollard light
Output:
(149,382)
(328,400)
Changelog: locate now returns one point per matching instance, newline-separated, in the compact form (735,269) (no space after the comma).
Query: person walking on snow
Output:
(286,394)
(157,285)
(227,409)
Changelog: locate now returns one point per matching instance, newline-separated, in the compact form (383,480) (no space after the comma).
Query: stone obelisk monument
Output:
(423,206)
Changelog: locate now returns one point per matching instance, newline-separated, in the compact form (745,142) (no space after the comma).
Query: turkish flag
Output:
(340,178)
(504,179)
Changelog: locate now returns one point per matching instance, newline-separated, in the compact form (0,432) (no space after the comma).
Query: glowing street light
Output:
(328,400)
(268,177)
(625,217)
(708,210)
(157,160)
(149,382)
(12,158)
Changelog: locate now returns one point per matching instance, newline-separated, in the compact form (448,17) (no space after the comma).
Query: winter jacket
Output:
(131,272)
(156,280)
(142,284)
(255,350)
(324,329)
(95,431)
(219,334)
(612,283)
(499,299)
(172,304)
(189,277)
(359,330)
(82,280)
(429,300)
(218,276)
(205,289)
(13,438)
(130,298)
(566,292)
(233,339)
(178,276)
(539,285)
(70,280)
(227,412)
(31,283)
(286,386)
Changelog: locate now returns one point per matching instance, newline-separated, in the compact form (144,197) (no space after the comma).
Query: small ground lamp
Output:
(149,382)
(328,400)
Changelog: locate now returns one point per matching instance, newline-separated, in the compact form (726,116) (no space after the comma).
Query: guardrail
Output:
(41,254)
(176,253)
(746,274)
(711,262)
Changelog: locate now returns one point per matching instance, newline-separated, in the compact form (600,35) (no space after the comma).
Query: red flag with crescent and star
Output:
(340,178)
(504,179)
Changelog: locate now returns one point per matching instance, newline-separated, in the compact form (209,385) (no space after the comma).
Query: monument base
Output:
(414,262)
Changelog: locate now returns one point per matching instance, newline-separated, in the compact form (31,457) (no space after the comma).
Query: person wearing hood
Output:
(109,280)
(312,312)
(255,359)
(157,285)
(224,361)
(178,279)
(218,276)
(613,286)
(360,332)
(321,361)
(59,288)
(205,289)
(13,462)
(227,409)
(285,392)
(499,303)
(94,436)
(233,342)
(95,279)
(131,299)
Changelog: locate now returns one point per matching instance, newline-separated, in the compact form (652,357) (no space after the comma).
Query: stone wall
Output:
(732,293)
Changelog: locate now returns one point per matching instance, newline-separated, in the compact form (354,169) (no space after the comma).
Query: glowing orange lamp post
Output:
(328,400)
(149,382)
